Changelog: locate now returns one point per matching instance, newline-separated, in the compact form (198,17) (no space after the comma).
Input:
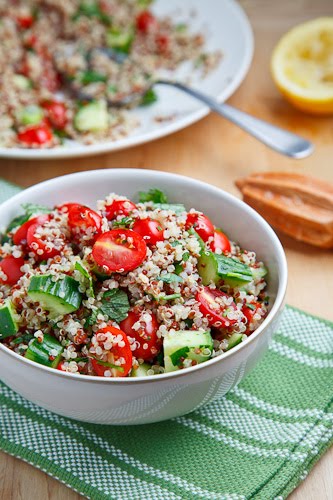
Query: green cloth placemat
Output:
(258,442)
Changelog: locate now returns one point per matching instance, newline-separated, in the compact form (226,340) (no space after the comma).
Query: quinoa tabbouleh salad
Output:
(62,61)
(126,290)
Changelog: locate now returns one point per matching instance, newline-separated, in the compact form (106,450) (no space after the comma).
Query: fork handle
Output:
(282,141)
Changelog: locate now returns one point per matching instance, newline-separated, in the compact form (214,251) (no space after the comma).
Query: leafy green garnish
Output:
(168,297)
(115,305)
(23,338)
(228,267)
(109,365)
(79,360)
(178,268)
(170,278)
(91,9)
(124,222)
(29,209)
(154,195)
(85,273)
(91,76)
(186,256)
(91,320)
(250,306)
(178,356)
(149,98)
(175,243)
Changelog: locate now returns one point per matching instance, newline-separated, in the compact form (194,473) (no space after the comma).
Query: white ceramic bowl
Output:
(149,399)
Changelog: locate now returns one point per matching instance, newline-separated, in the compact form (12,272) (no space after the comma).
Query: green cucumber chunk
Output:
(259,272)
(120,40)
(92,117)
(48,352)
(214,268)
(30,115)
(178,208)
(57,297)
(141,370)
(79,266)
(235,339)
(186,344)
(8,323)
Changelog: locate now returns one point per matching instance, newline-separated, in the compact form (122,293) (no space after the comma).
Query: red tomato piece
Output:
(36,135)
(61,366)
(220,242)
(119,207)
(120,351)
(150,230)
(146,22)
(212,306)
(11,267)
(119,250)
(249,310)
(25,22)
(20,237)
(202,225)
(148,343)
(65,207)
(57,113)
(84,223)
(163,43)
(43,248)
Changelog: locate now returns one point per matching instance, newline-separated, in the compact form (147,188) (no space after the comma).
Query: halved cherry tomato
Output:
(148,343)
(202,225)
(150,230)
(146,22)
(43,248)
(120,350)
(84,223)
(11,267)
(61,366)
(20,237)
(36,135)
(65,207)
(212,309)
(163,43)
(119,250)
(119,207)
(25,22)
(57,113)
(220,242)
(249,310)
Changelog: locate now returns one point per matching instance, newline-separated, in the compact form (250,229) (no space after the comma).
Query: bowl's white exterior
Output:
(149,399)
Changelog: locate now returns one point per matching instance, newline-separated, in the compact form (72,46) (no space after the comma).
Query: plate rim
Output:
(132,141)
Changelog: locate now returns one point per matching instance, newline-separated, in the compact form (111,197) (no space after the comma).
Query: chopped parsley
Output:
(154,195)
(115,305)
(170,278)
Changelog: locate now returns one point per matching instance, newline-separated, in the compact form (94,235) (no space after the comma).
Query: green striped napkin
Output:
(258,442)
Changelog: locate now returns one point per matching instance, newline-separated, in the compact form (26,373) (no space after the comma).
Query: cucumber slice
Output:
(184,344)
(8,323)
(46,353)
(178,208)
(235,339)
(30,115)
(79,266)
(259,272)
(92,117)
(216,268)
(21,82)
(120,40)
(58,297)
(141,371)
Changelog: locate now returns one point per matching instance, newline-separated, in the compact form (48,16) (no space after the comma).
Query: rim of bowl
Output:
(278,302)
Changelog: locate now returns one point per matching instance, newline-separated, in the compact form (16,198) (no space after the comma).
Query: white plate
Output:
(226,28)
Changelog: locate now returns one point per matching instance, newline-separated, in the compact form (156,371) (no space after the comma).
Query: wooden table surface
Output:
(217,152)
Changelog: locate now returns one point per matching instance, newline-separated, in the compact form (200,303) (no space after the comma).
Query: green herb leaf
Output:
(177,356)
(109,365)
(228,267)
(154,195)
(186,256)
(115,304)
(23,338)
(170,278)
(250,306)
(91,320)
(32,209)
(91,76)
(149,98)
(124,222)
(168,297)
(178,268)
(175,243)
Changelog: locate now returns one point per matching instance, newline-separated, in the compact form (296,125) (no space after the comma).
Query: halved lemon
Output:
(302,66)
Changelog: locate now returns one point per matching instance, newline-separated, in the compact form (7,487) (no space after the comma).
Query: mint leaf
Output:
(91,320)
(177,356)
(170,278)
(124,222)
(115,305)
(154,195)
